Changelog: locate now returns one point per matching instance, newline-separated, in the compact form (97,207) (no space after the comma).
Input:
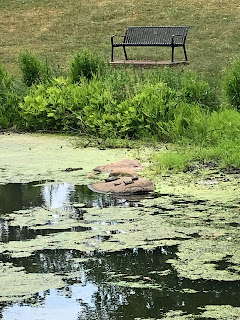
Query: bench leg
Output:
(112,55)
(125,53)
(172,53)
(185,53)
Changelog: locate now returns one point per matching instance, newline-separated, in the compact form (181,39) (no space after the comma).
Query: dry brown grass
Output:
(57,29)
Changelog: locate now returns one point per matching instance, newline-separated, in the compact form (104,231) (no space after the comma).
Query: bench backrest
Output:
(156,35)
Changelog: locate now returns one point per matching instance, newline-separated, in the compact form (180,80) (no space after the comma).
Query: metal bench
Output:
(165,36)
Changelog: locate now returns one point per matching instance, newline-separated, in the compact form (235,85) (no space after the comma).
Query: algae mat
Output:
(35,157)
(174,255)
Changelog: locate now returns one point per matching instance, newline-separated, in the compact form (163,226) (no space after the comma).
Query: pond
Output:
(69,253)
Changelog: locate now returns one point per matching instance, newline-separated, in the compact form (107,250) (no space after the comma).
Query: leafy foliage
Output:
(52,106)
(33,70)
(231,84)
(85,64)
(169,105)
(9,101)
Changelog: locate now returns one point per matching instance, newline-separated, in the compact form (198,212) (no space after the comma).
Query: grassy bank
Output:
(57,29)
(172,106)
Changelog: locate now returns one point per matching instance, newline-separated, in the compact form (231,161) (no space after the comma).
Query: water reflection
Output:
(19,196)
(57,305)
(14,197)
(117,285)
(56,195)
(104,286)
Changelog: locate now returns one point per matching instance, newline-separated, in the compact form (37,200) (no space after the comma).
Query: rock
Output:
(111,178)
(127,182)
(126,174)
(140,186)
(126,167)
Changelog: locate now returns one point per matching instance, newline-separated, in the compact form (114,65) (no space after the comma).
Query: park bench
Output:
(164,36)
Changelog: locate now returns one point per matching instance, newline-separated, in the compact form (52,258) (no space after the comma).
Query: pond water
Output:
(133,283)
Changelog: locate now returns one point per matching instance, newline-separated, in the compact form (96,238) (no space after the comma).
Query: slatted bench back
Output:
(155,36)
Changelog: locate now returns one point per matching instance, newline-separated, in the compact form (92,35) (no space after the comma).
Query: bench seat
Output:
(159,36)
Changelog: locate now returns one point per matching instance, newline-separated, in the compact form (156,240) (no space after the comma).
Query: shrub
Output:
(33,70)
(154,111)
(51,106)
(10,96)
(197,90)
(185,121)
(85,64)
(231,84)
(138,117)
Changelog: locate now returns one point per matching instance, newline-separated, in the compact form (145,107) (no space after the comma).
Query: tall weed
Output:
(231,84)
(219,142)
(197,90)
(85,64)
(10,96)
(191,88)
(33,70)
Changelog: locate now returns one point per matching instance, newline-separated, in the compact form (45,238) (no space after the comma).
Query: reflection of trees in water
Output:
(98,200)
(116,302)
(16,196)
(8,233)
(56,195)
(109,301)
(112,301)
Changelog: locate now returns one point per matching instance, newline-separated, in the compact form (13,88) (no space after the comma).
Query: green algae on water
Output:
(200,247)
(39,218)
(178,315)
(16,284)
(221,312)
(37,157)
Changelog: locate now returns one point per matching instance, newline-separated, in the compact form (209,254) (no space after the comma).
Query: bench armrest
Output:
(112,37)
(179,35)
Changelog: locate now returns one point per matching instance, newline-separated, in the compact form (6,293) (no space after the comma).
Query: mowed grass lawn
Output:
(56,29)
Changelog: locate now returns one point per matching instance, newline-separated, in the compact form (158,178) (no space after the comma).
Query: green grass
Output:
(56,29)
(219,143)
(192,117)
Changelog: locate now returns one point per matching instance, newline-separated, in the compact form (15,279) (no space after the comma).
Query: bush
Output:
(85,64)
(138,117)
(185,121)
(53,106)
(197,90)
(231,84)
(10,97)
(33,70)
(61,105)
(154,111)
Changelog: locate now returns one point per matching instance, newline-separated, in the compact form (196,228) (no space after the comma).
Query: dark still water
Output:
(128,284)
(21,196)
